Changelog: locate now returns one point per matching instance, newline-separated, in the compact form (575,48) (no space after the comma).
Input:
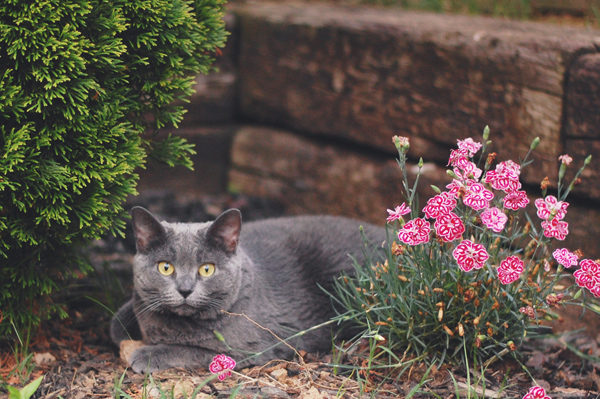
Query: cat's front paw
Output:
(147,359)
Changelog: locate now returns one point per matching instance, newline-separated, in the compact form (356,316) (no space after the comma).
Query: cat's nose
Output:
(185,292)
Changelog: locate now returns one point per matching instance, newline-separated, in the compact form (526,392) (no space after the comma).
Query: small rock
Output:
(43,358)
(127,348)
(280,374)
(313,393)
(274,393)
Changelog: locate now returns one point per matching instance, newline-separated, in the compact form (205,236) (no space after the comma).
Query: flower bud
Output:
(218,336)
(436,189)
(545,183)
(587,160)
(535,143)
(451,174)
(402,144)
(420,164)
(486,132)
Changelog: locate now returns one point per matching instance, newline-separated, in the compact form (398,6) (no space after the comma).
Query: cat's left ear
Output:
(225,230)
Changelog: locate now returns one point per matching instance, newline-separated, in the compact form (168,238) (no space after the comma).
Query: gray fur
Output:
(270,272)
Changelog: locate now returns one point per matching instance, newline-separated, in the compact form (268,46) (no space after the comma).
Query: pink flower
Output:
(536,393)
(502,182)
(458,157)
(565,159)
(550,207)
(470,255)
(439,205)
(220,365)
(588,275)
(468,144)
(467,170)
(515,200)
(455,187)
(477,196)
(494,219)
(415,232)
(449,227)
(510,269)
(505,177)
(564,257)
(397,212)
(556,229)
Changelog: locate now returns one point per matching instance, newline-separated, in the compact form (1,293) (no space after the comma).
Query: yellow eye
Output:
(207,270)
(165,268)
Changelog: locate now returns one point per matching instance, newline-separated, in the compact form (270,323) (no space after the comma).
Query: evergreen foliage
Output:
(84,87)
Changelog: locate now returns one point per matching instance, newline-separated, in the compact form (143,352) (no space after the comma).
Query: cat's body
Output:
(265,285)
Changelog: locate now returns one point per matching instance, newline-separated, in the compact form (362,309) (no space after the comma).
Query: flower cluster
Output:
(222,365)
(552,211)
(464,270)
(476,193)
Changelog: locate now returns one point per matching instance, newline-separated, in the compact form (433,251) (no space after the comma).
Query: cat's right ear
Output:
(148,231)
(225,230)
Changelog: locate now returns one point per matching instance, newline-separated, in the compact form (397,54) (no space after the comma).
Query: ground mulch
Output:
(78,360)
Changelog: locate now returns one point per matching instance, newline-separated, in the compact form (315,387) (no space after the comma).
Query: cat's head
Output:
(187,268)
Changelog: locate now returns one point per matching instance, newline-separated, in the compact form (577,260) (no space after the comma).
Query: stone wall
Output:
(325,88)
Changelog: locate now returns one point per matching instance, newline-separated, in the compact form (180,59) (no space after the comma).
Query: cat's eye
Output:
(165,268)
(207,270)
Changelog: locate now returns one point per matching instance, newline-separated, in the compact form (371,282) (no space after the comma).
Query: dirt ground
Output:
(78,360)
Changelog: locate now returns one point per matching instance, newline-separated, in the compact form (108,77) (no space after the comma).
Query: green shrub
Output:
(84,87)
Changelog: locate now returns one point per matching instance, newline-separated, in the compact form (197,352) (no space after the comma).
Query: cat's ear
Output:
(148,231)
(225,230)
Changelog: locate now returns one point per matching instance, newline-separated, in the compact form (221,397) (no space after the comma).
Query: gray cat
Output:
(249,285)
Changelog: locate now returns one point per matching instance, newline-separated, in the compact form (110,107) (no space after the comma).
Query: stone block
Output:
(364,75)
(211,163)
(582,107)
(308,176)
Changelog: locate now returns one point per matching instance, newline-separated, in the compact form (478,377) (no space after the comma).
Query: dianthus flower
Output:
(556,229)
(449,227)
(550,207)
(397,212)
(470,255)
(456,186)
(515,200)
(565,257)
(588,276)
(220,365)
(528,311)
(477,196)
(554,299)
(439,205)
(565,159)
(536,393)
(505,177)
(458,157)
(415,232)
(467,170)
(510,269)
(468,144)
(494,219)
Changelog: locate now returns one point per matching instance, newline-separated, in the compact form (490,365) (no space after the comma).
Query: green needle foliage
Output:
(84,87)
